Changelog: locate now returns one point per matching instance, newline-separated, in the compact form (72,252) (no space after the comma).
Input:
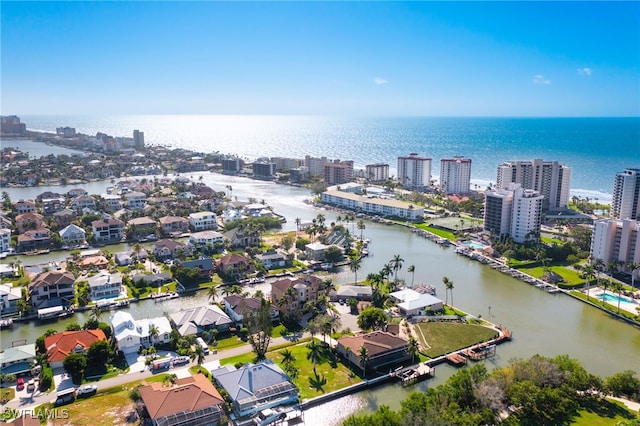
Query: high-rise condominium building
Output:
(625,203)
(138,139)
(514,212)
(414,172)
(376,172)
(455,175)
(337,172)
(616,240)
(549,178)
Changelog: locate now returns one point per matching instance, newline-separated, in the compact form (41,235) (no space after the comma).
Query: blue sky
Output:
(344,58)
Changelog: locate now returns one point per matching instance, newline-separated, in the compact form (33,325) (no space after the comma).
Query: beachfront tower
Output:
(550,178)
(497,212)
(377,172)
(414,172)
(616,240)
(625,203)
(455,175)
(513,212)
(138,139)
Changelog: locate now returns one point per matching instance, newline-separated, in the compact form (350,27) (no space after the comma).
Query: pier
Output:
(410,375)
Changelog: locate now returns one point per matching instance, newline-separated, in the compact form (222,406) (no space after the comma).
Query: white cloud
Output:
(380,80)
(585,71)
(539,79)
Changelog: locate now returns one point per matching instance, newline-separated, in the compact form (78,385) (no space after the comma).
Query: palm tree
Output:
(287,356)
(298,222)
(412,269)
(598,265)
(386,271)
(363,354)
(617,287)
(355,263)
(633,267)
(588,273)
(199,356)
(347,354)
(361,227)
(291,299)
(612,267)
(413,348)
(448,287)
(605,284)
(315,352)
(212,293)
(396,264)
(154,332)
(96,313)
(327,286)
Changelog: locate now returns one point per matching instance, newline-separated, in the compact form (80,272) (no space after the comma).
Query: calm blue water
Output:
(595,148)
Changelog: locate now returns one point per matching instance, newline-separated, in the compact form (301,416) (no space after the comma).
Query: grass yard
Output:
(229,342)
(571,276)
(439,232)
(602,413)
(439,338)
(108,407)
(7,394)
(337,374)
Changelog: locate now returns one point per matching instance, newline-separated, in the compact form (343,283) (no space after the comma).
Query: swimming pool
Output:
(474,245)
(626,303)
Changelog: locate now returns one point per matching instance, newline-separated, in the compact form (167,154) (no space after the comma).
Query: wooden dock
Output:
(413,374)
(456,359)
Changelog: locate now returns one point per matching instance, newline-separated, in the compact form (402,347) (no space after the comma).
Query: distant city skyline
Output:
(321,58)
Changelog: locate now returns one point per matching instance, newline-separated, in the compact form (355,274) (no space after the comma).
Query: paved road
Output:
(25,400)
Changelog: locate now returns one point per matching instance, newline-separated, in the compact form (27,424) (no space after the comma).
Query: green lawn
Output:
(439,232)
(571,276)
(229,342)
(439,338)
(602,413)
(337,374)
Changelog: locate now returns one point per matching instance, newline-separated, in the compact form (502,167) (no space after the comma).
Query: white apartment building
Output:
(550,178)
(201,221)
(372,205)
(455,175)
(377,172)
(5,240)
(414,172)
(315,165)
(625,203)
(514,212)
(616,240)
(135,200)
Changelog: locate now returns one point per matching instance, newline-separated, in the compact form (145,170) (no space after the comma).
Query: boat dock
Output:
(413,374)
(456,359)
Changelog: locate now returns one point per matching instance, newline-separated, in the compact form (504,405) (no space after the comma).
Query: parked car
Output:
(20,384)
(31,385)
(86,391)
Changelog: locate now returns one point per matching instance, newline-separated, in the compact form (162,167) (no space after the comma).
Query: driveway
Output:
(347,319)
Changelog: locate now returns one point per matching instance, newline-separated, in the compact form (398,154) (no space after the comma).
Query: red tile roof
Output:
(62,344)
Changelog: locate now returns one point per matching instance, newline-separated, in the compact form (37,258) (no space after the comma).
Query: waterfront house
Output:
(141,228)
(93,262)
(255,387)
(358,292)
(152,280)
(29,221)
(135,200)
(304,289)
(33,240)
(242,238)
(24,206)
(108,230)
(201,221)
(234,265)
(82,202)
(173,225)
(204,264)
(238,307)
(130,335)
(73,234)
(104,285)
(60,345)
(274,259)
(383,348)
(18,359)
(52,205)
(9,296)
(192,400)
(165,249)
(212,239)
(196,320)
(315,251)
(64,217)
(52,288)
(76,192)
(122,258)
(111,202)
(413,303)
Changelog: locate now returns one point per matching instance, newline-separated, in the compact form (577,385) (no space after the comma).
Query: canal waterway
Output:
(542,323)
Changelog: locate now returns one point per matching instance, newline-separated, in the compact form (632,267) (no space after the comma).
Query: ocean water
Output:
(595,148)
